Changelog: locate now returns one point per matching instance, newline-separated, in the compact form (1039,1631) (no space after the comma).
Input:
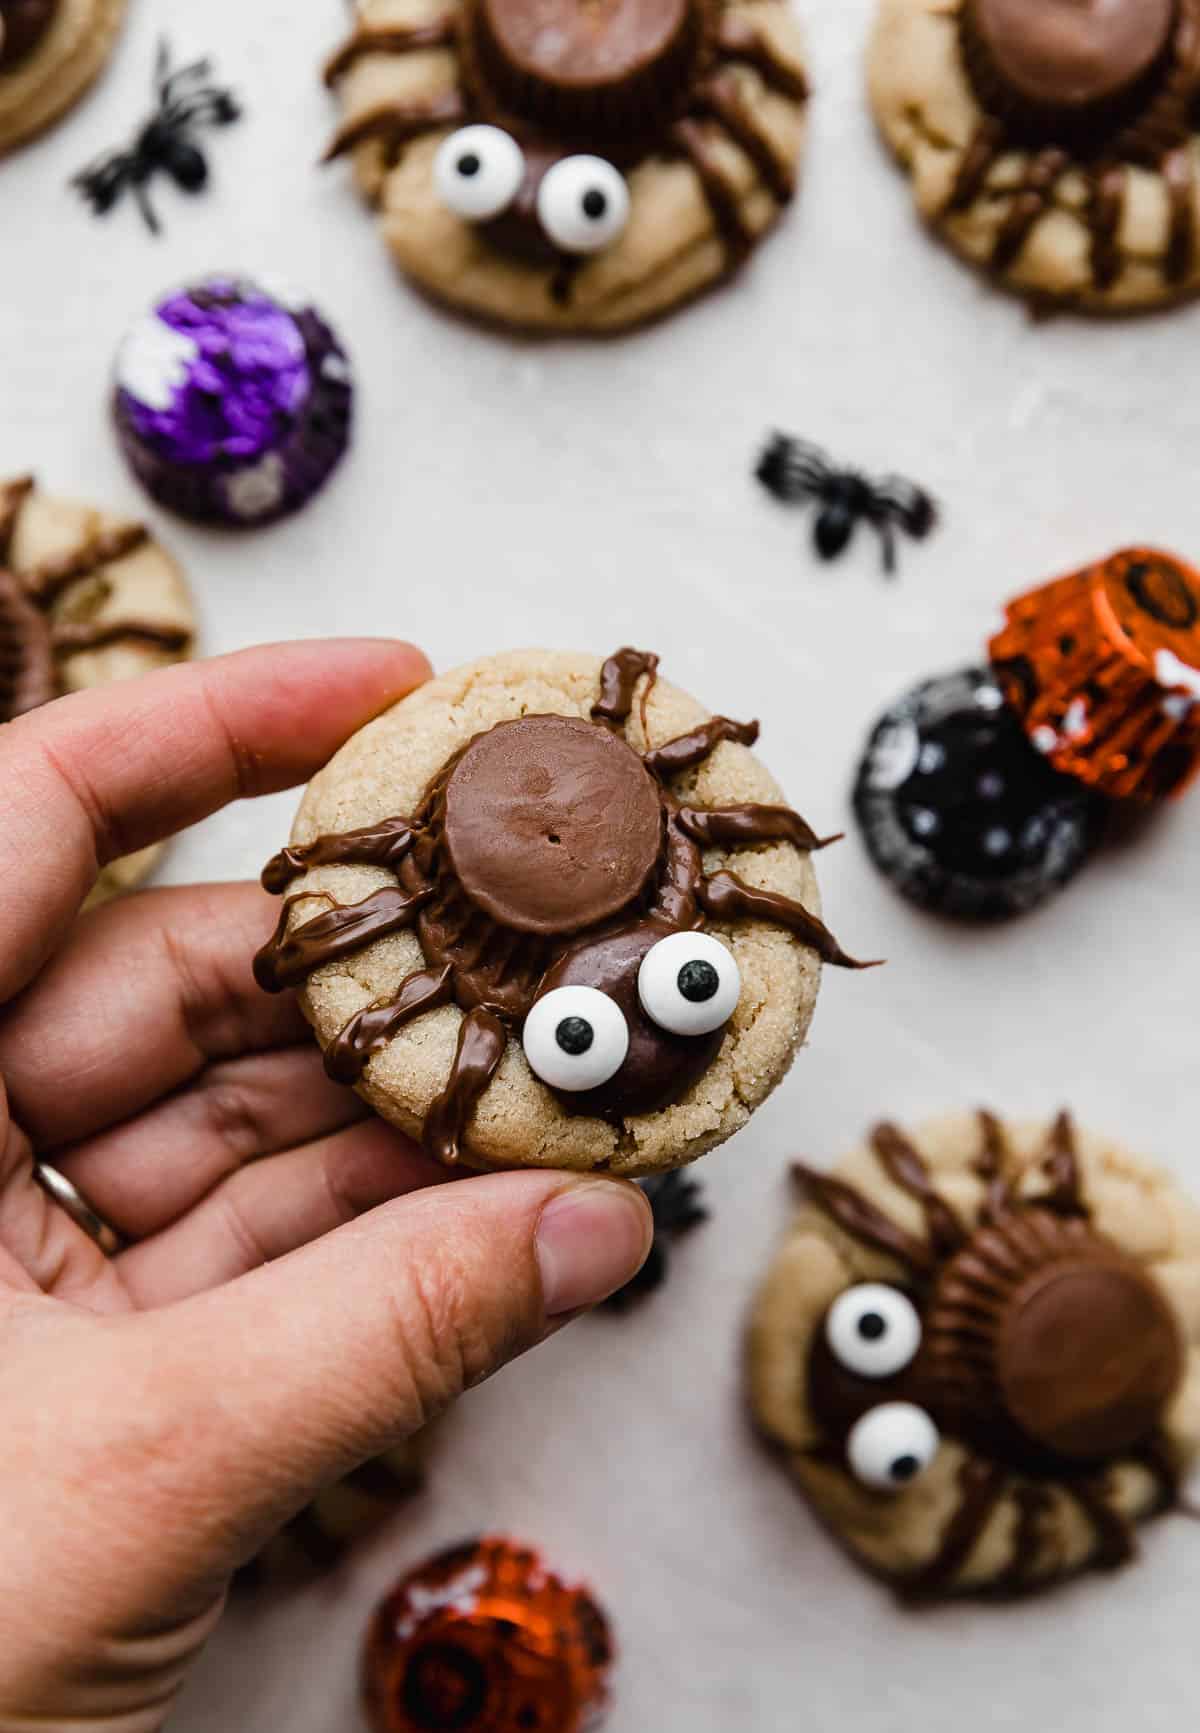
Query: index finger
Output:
(100,774)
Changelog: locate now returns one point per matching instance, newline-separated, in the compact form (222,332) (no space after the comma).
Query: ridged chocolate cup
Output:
(1042,1335)
(603,74)
(1065,72)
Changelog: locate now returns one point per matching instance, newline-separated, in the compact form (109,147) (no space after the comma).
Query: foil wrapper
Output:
(231,406)
(484,1639)
(1103,670)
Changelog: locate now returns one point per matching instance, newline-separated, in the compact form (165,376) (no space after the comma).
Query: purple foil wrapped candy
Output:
(232,405)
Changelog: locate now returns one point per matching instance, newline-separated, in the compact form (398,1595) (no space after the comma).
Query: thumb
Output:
(287,1378)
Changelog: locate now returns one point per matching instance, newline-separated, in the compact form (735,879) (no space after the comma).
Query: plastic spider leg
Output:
(103,183)
(916,510)
(143,203)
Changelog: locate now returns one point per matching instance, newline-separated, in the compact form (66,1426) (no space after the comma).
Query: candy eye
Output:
(478,172)
(583,204)
(873,1330)
(689,984)
(891,1445)
(575,1038)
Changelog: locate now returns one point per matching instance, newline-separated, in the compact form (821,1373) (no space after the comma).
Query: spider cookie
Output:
(547,911)
(564,165)
(979,1350)
(85,598)
(1052,142)
(50,52)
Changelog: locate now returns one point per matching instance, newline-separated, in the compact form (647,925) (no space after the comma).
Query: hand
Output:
(297,1291)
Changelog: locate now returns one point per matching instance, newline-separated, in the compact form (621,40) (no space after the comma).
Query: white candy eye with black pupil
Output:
(689,984)
(575,1038)
(478,172)
(873,1330)
(891,1445)
(583,204)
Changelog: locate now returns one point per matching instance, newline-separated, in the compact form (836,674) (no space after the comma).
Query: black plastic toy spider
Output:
(796,472)
(675,1204)
(187,101)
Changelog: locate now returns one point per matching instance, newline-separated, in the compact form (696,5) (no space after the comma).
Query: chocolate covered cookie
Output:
(50,52)
(547,911)
(979,1351)
(1052,142)
(568,165)
(86,597)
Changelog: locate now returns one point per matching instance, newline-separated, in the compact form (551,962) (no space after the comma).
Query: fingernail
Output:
(591,1240)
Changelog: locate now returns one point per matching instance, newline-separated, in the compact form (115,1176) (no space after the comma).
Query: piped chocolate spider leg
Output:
(70,637)
(726,897)
(370,1030)
(288,957)
(688,750)
(1028,205)
(976,164)
(993,1165)
(1115,1543)
(1179,176)
(481,1043)
(618,683)
(857,1216)
(384,845)
(389,39)
(981,1486)
(13,495)
(739,39)
(905,1167)
(1106,209)
(690,140)
(731,826)
(1061,1167)
(47,581)
(720,99)
(396,123)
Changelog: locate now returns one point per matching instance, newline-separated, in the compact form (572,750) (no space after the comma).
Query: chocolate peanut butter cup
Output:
(1067,70)
(1043,1332)
(605,72)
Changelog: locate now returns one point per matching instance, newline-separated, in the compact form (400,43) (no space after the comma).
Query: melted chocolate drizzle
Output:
(688,750)
(981,1486)
(618,683)
(726,897)
(478,962)
(370,1030)
(904,1164)
(729,826)
(47,581)
(1115,1543)
(992,1167)
(382,845)
(482,1039)
(1034,1502)
(288,958)
(1061,1167)
(388,39)
(863,1220)
(72,637)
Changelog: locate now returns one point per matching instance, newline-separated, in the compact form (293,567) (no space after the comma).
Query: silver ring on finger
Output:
(71,1201)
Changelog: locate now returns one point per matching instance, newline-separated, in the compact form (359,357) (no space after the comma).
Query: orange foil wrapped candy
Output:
(484,1639)
(1103,668)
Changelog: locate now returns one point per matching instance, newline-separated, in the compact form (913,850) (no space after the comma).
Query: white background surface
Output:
(503,493)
